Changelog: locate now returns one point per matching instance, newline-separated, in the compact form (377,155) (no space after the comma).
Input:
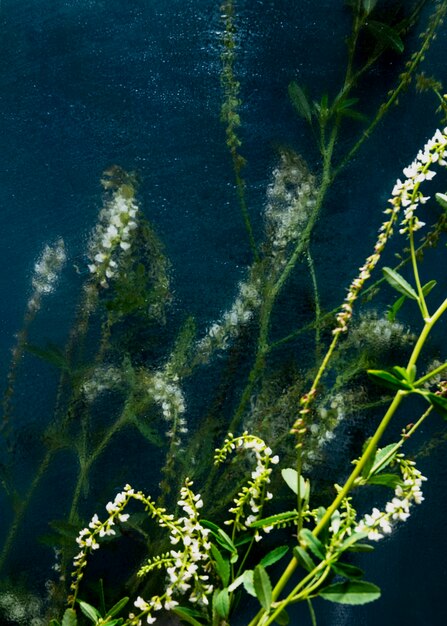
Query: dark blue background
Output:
(88,83)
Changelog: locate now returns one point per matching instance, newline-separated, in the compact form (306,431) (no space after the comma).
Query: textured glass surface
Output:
(90,84)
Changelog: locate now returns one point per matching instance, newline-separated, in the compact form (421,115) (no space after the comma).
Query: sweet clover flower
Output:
(292,197)
(46,272)
(246,304)
(250,500)
(406,196)
(378,523)
(113,235)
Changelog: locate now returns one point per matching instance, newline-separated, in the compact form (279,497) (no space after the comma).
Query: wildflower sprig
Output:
(407,492)
(186,566)
(113,234)
(254,493)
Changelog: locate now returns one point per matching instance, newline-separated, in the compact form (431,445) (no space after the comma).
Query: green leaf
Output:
(290,477)
(54,622)
(353,114)
(368,5)
(221,536)
(300,101)
(263,586)
(399,283)
(248,582)
(282,618)
(381,454)
(351,541)
(351,592)
(344,104)
(347,570)
(52,353)
(69,618)
(89,611)
(388,380)
(395,308)
(313,543)
(361,547)
(221,603)
(441,199)
(438,403)
(222,565)
(386,35)
(303,558)
(274,556)
(387,480)
(187,615)
(116,608)
(284,518)
(428,287)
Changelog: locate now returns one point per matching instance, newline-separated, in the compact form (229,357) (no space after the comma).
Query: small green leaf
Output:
(347,570)
(438,403)
(274,556)
(187,615)
(344,104)
(395,308)
(381,454)
(351,541)
(221,537)
(263,586)
(290,477)
(89,611)
(399,283)
(368,5)
(353,114)
(388,380)
(69,618)
(387,480)
(248,582)
(428,287)
(303,558)
(313,543)
(351,592)
(386,35)
(54,622)
(361,547)
(441,198)
(116,608)
(281,519)
(222,565)
(282,618)
(221,603)
(300,101)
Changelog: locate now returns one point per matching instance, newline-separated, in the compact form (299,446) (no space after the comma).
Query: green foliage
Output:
(351,592)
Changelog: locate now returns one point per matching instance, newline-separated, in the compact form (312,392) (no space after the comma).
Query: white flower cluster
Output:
(253,495)
(103,378)
(112,235)
(88,537)
(378,523)
(46,272)
(185,566)
(406,193)
(292,197)
(218,336)
(163,387)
